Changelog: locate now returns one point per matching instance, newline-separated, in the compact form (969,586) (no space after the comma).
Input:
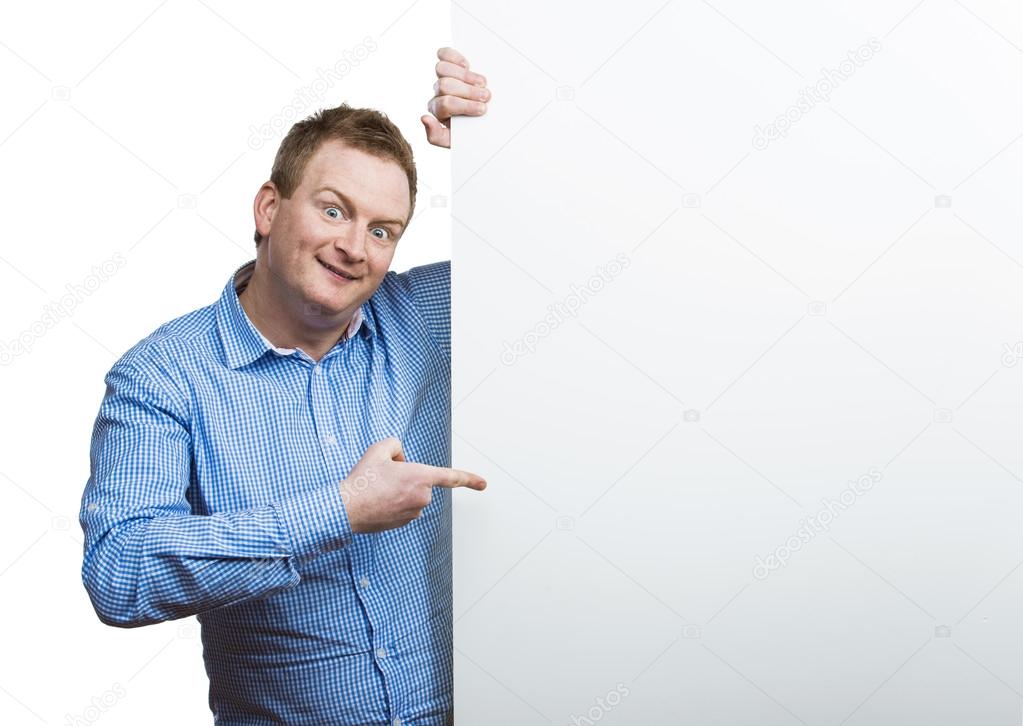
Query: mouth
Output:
(335,272)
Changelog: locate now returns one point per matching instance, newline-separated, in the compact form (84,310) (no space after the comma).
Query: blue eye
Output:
(387,233)
(328,211)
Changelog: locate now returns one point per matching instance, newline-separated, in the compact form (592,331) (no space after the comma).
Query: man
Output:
(268,462)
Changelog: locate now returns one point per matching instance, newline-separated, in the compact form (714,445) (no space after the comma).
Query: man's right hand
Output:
(383,491)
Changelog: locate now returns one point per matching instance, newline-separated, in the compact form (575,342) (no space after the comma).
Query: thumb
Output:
(436,133)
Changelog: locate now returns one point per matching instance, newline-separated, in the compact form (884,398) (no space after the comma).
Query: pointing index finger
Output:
(439,476)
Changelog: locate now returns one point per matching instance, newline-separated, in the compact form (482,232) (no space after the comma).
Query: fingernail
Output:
(481,107)
(483,95)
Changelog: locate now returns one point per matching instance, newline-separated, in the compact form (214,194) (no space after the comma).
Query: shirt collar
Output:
(242,342)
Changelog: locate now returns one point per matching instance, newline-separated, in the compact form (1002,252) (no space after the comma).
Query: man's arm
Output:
(430,287)
(147,557)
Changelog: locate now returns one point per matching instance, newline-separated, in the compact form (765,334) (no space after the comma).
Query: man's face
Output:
(347,214)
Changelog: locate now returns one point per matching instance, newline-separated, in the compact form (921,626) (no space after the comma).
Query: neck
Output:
(281,325)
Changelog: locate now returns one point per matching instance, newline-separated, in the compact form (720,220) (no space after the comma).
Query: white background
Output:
(125,130)
(796,313)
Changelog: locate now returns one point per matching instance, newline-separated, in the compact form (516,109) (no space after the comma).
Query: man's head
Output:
(341,193)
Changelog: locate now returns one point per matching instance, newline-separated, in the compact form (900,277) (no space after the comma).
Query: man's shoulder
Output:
(177,339)
(423,283)
(420,298)
(434,270)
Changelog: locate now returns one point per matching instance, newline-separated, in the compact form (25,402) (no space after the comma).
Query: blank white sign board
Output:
(738,330)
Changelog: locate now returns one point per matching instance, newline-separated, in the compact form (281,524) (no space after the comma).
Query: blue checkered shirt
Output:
(216,460)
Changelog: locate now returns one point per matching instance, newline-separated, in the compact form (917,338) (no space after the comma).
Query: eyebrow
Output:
(349,202)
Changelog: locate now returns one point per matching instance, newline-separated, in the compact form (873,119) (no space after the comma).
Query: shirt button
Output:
(318,369)
(381,653)
(364,582)
(397,722)
(329,439)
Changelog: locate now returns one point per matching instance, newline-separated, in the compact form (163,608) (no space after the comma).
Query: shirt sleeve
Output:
(147,557)
(430,286)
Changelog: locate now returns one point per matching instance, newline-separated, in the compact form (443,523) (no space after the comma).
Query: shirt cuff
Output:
(315,521)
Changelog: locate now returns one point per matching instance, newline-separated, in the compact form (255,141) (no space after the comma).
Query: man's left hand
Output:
(457,92)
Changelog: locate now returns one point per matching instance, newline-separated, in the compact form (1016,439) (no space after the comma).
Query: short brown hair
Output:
(365,129)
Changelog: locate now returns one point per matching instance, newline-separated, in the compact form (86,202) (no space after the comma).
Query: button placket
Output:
(321,414)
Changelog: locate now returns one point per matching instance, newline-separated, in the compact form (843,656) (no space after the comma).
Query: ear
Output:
(264,207)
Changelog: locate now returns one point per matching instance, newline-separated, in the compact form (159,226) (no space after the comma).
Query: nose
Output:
(351,241)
